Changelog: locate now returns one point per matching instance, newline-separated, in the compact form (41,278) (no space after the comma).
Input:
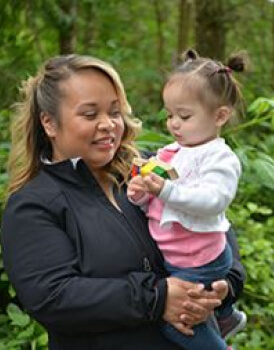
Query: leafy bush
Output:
(19,332)
(254,225)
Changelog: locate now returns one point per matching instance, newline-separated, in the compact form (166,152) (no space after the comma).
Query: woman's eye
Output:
(90,114)
(169,116)
(116,114)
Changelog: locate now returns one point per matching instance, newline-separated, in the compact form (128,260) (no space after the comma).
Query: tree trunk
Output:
(87,13)
(184,26)
(210,28)
(159,15)
(67,28)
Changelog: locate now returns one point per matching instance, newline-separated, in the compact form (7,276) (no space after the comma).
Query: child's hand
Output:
(154,183)
(136,188)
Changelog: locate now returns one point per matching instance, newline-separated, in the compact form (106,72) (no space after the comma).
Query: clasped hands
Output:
(189,303)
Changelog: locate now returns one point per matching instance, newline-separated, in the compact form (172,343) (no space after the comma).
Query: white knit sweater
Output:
(207,183)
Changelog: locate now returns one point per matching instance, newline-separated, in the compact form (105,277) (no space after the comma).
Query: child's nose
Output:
(175,122)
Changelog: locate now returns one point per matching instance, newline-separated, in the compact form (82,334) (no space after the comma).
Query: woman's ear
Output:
(49,124)
(222,115)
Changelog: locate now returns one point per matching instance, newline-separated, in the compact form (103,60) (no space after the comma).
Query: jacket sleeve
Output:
(42,265)
(213,191)
(237,275)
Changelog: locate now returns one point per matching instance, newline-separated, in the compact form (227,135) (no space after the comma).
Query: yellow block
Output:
(146,169)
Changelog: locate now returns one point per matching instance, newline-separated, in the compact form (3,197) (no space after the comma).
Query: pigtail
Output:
(189,54)
(238,62)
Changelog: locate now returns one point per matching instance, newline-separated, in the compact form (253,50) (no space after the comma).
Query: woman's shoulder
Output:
(41,189)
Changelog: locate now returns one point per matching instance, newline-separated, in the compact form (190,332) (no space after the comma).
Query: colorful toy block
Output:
(144,167)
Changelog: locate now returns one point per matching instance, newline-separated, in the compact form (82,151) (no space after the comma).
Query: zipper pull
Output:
(146,264)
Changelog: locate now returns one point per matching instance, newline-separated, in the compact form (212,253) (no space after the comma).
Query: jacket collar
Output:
(73,170)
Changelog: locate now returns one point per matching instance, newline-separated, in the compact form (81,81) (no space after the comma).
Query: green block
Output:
(160,171)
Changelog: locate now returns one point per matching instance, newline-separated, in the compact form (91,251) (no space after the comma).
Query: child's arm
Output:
(212,192)
(148,179)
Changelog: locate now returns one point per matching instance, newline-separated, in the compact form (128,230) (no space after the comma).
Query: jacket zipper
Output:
(146,247)
(146,264)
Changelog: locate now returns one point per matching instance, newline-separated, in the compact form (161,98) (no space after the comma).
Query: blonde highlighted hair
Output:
(42,93)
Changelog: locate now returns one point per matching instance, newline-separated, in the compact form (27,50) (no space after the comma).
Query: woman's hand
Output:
(188,303)
(177,296)
(203,302)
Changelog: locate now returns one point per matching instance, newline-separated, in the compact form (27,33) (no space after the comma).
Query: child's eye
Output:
(185,117)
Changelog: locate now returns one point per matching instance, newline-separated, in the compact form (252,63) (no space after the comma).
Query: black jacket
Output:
(89,273)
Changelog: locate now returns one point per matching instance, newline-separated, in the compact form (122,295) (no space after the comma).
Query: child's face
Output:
(190,122)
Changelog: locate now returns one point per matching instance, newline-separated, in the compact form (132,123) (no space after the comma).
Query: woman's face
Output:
(91,125)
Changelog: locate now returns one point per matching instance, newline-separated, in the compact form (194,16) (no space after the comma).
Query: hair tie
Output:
(227,70)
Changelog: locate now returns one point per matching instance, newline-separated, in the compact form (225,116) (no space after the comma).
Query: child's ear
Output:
(48,124)
(222,115)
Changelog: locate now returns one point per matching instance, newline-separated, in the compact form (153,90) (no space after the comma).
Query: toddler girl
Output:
(187,215)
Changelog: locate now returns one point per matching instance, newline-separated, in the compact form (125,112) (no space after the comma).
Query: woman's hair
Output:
(215,81)
(43,93)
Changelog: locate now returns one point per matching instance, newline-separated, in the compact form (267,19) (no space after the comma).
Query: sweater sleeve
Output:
(214,189)
(43,266)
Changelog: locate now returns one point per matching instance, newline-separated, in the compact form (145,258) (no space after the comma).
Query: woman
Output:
(77,252)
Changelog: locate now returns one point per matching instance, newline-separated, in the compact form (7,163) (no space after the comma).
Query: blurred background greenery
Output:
(143,40)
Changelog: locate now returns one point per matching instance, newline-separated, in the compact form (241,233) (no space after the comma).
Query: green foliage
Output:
(255,229)
(252,215)
(141,43)
(152,140)
(254,144)
(19,332)
(135,36)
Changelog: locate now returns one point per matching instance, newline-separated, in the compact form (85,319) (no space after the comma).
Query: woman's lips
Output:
(106,142)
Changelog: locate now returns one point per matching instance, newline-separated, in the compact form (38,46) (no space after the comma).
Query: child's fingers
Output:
(136,187)
(156,178)
(136,179)
(130,192)
(153,187)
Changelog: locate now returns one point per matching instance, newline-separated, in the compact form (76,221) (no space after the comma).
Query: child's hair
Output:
(215,81)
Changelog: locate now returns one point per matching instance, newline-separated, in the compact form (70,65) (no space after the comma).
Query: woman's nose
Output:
(106,123)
